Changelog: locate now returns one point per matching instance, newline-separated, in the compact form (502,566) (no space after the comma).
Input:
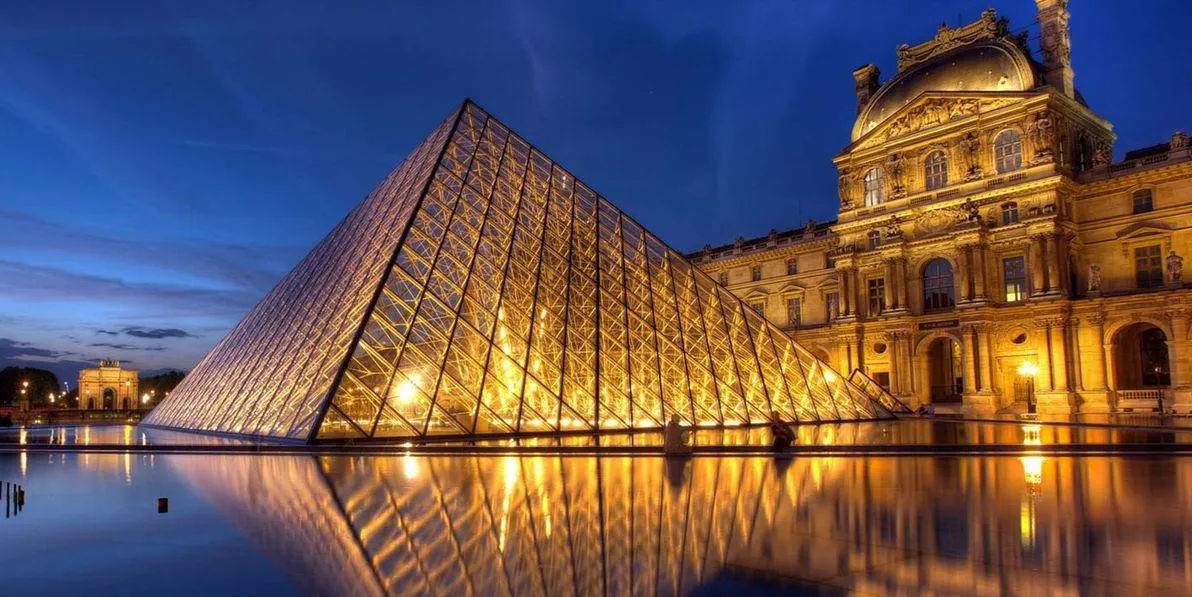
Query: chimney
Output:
(1057,46)
(865,79)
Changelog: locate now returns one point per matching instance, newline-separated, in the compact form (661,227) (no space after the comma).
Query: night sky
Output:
(164,163)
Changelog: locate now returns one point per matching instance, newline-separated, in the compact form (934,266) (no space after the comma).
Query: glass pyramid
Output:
(482,290)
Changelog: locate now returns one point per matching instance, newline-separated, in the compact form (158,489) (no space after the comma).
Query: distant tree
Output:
(157,385)
(41,384)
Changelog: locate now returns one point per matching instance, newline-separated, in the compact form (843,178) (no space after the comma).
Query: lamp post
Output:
(1027,371)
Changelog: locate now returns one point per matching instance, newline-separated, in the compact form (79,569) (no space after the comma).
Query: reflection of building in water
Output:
(108,387)
(982,223)
(580,525)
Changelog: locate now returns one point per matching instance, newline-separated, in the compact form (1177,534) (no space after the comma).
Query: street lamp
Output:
(1027,370)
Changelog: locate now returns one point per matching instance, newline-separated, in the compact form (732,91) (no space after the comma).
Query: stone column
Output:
(902,282)
(962,274)
(1094,395)
(892,353)
(969,358)
(1036,265)
(1043,348)
(846,305)
(979,291)
(1179,358)
(1059,354)
(986,358)
(1054,284)
(889,286)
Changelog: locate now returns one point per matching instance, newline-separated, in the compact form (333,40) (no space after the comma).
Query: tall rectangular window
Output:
(794,311)
(1148,267)
(833,305)
(1014,274)
(877,296)
(792,266)
(755,273)
(1142,201)
(759,307)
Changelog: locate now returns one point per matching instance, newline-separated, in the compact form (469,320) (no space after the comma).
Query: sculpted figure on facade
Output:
(844,188)
(1042,131)
(1175,266)
(970,148)
(1102,154)
(894,227)
(809,229)
(1094,277)
(896,166)
(1179,140)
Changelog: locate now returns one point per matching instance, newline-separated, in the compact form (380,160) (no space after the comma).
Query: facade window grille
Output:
(938,290)
(792,266)
(877,296)
(833,300)
(1143,201)
(794,311)
(1009,213)
(875,239)
(1014,276)
(1007,151)
(1148,267)
(755,273)
(724,278)
(758,307)
(935,170)
(875,187)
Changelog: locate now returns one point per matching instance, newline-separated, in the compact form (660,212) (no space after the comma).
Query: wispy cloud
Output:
(154,333)
(116,346)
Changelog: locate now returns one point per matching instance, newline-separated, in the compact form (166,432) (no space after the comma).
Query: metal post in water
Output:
(163,505)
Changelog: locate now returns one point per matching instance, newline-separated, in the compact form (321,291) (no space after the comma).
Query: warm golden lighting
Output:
(1030,435)
(405,390)
(1028,369)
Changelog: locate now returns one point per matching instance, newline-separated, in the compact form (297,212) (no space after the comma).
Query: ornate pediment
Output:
(938,220)
(927,112)
(947,38)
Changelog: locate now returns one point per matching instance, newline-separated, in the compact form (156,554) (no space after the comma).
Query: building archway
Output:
(90,404)
(124,404)
(1140,359)
(109,399)
(944,370)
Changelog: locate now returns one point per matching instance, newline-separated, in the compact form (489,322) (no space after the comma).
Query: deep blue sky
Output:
(163,163)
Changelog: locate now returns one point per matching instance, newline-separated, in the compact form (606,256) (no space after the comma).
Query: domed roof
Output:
(990,65)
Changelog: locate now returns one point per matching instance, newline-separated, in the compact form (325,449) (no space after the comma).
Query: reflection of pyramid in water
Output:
(490,292)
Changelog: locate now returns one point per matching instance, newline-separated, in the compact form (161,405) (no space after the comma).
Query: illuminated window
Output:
(794,311)
(758,307)
(875,192)
(877,296)
(792,266)
(1142,201)
(935,170)
(1009,213)
(875,239)
(1014,274)
(724,278)
(833,299)
(1148,267)
(1007,151)
(938,292)
(755,273)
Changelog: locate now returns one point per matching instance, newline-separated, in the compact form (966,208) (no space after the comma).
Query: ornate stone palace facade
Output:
(988,253)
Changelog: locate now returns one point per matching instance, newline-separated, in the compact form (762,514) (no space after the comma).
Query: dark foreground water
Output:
(567,525)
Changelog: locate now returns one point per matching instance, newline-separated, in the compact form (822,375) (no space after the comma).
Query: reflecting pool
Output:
(554,525)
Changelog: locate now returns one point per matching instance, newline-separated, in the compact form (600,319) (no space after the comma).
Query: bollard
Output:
(21,497)
(163,505)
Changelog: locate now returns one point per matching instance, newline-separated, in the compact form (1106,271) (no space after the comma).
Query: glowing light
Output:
(829,376)
(405,390)
(1027,369)
(145,398)
(409,467)
(1030,435)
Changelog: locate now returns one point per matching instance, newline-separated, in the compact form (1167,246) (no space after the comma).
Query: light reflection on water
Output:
(543,525)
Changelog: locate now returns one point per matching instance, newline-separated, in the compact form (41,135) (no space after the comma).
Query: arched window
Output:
(935,170)
(1009,213)
(1007,151)
(875,191)
(938,292)
(875,239)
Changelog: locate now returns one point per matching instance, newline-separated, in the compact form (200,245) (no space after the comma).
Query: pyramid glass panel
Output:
(481,289)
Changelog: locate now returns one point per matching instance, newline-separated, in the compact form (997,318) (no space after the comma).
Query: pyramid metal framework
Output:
(482,290)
